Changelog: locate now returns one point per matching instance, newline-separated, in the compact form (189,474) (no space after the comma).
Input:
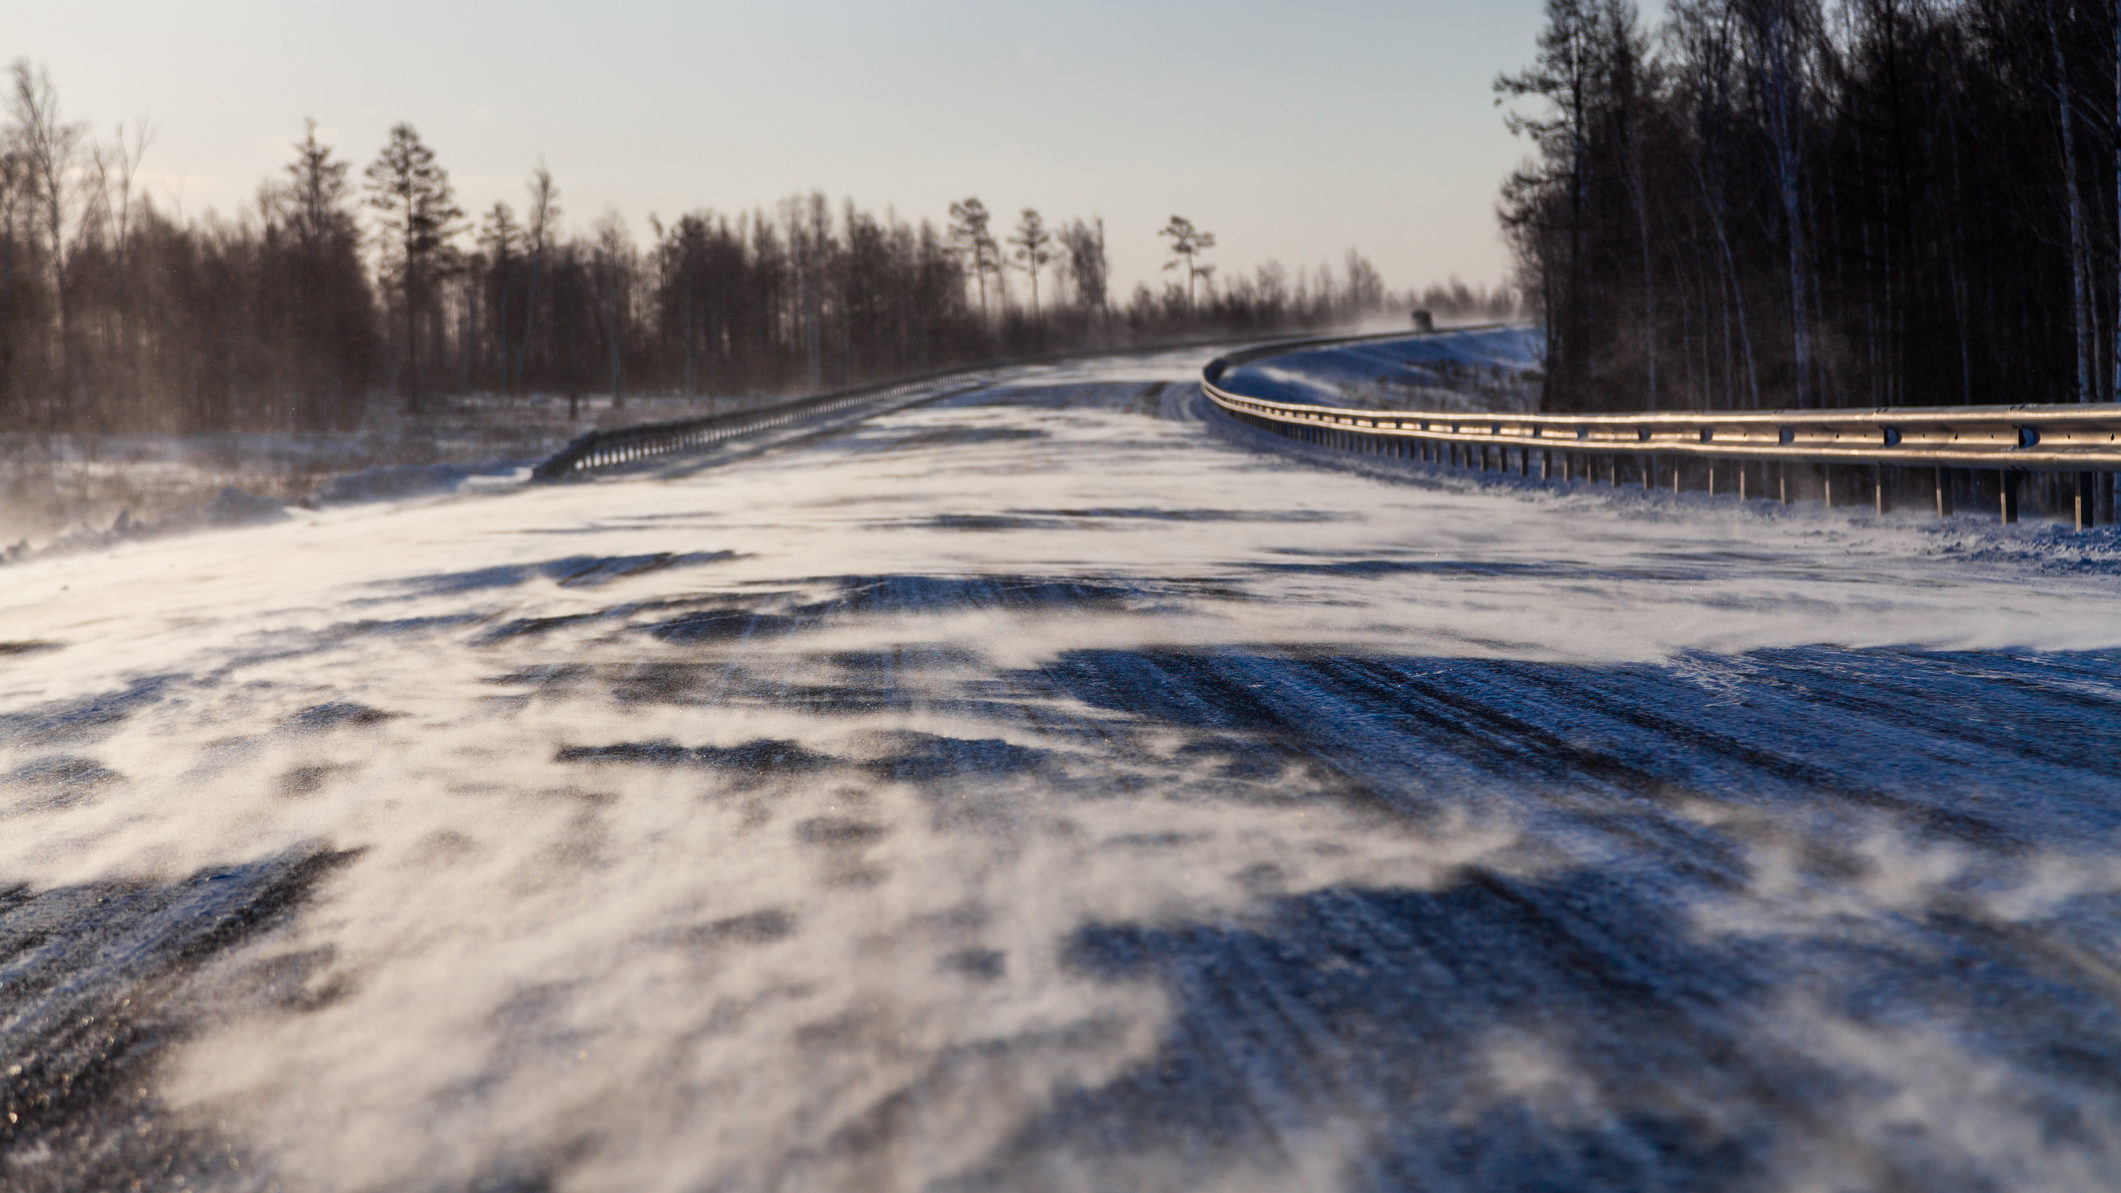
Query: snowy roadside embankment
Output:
(1484,369)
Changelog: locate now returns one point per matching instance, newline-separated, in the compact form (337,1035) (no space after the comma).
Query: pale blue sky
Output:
(1291,131)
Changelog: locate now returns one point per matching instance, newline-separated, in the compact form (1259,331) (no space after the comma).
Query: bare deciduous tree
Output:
(539,223)
(51,152)
(615,270)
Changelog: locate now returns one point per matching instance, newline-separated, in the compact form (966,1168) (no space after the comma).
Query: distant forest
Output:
(341,285)
(1795,203)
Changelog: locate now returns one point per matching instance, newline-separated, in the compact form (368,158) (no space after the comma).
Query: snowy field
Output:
(73,489)
(1043,788)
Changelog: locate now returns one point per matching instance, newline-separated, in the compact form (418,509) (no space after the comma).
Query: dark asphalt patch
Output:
(977,522)
(929,758)
(1819,728)
(730,684)
(760,758)
(86,719)
(984,965)
(96,981)
(872,595)
(305,780)
(899,595)
(1572,1033)
(1391,1007)
(337,714)
(839,831)
(573,571)
(535,627)
(721,625)
(908,657)
(757,927)
(393,627)
(544,677)
(54,782)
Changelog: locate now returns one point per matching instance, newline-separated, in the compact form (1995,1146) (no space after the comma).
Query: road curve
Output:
(1045,788)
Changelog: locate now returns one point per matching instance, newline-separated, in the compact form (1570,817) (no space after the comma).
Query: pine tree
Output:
(968,230)
(333,313)
(417,216)
(1084,246)
(1034,248)
(1187,245)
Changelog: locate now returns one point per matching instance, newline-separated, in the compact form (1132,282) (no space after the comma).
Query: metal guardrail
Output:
(624,445)
(1727,451)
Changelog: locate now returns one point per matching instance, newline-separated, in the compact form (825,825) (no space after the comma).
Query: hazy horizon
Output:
(1292,135)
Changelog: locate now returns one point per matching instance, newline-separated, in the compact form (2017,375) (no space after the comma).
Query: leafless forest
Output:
(1802,203)
(348,284)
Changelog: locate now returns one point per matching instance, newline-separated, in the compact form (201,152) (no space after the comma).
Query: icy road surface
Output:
(1038,789)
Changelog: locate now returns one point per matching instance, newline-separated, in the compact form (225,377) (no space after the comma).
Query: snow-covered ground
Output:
(1493,369)
(72,489)
(1044,788)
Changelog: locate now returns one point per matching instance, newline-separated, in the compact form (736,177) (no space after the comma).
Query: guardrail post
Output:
(1782,482)
(1678,474)
(2087,501)
(1546,464)
(1740,468)
(2007,495)
(1878,486)
(1826,485)
(1943,481)
(1649,472)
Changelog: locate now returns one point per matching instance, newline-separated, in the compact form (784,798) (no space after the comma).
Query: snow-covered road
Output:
(1040,789)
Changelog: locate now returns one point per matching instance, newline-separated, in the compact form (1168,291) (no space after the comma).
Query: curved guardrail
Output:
(1726,448)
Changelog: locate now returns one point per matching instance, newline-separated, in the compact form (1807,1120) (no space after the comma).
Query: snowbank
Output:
(1493,369)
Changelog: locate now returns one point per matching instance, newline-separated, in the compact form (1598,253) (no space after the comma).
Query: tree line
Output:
(339,287)
(1809,203)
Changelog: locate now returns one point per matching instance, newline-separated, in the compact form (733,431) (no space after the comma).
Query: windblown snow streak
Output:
(1033,790)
